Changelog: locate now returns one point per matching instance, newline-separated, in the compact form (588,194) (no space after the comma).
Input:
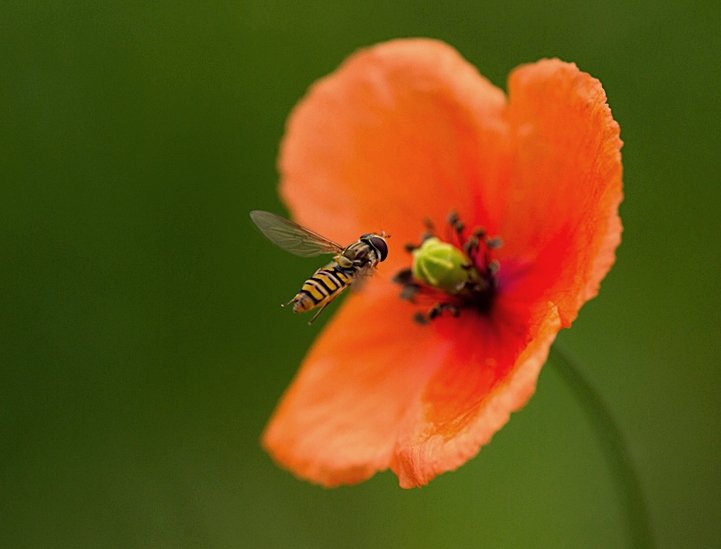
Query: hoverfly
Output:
(349,264)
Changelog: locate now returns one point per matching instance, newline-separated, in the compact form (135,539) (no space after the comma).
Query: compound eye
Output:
(380,245)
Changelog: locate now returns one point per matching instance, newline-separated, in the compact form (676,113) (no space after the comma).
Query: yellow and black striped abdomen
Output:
(322,287)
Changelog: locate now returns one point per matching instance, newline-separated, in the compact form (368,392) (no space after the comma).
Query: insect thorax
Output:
(358,254)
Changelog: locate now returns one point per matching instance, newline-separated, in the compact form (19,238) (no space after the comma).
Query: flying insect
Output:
(350,264)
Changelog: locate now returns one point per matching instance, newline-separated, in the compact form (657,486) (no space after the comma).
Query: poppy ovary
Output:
(441,265)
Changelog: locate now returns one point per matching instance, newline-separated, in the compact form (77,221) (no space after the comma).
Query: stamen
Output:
(454,278)
(420,318)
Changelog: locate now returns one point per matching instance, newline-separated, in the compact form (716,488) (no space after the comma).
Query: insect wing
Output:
(360,278)
(292,237)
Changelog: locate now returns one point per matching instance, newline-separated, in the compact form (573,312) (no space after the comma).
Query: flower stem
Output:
(614,447)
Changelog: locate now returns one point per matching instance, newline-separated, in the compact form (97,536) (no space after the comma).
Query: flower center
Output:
(452,278)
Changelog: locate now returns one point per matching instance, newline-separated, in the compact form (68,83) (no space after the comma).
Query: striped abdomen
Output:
(324,286)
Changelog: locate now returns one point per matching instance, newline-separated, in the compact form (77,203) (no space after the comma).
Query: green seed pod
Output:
(441,265)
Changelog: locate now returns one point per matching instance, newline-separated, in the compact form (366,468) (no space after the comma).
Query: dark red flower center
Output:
(451,276)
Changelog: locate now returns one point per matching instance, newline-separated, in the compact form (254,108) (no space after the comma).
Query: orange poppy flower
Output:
(407,131)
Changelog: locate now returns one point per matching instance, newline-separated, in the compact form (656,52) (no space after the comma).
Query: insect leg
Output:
(312,320)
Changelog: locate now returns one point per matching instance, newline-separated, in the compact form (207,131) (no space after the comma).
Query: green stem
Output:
(614,447)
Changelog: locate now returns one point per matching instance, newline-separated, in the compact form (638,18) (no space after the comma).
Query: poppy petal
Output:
(490,371)
(401,132)
(339,420)
(561,224)
(378,390)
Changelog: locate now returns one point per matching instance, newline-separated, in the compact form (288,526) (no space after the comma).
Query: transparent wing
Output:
(292,237)
(361,277)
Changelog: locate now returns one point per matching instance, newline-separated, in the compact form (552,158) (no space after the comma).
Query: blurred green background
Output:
(142,348)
